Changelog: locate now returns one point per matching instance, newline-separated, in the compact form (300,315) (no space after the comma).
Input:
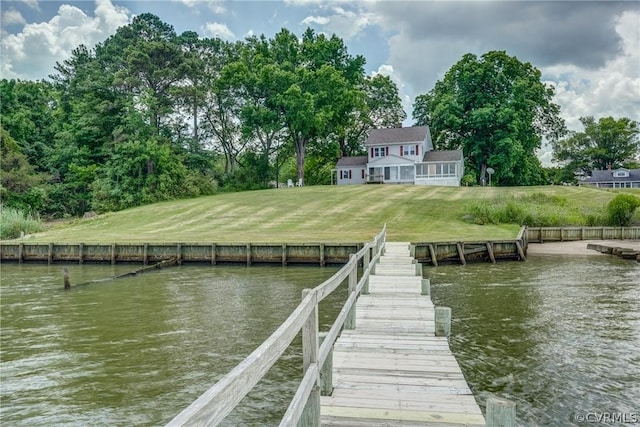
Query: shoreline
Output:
(578,247)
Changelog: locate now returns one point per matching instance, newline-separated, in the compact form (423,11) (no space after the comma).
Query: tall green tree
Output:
(20,185)
(382,108)
(148,62)
(319,84)
(497,110)
(604,143)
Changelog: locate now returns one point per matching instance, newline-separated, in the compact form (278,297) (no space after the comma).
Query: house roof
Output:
(397,135)
(607,176)
(442,156)
(351,161)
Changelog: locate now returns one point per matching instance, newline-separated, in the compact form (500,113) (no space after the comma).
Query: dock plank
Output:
(392,370)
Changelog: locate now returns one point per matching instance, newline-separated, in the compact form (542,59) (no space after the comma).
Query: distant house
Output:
(617,178)
(401,156)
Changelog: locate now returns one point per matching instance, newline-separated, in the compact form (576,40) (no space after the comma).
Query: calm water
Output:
(138,350)
(556,336)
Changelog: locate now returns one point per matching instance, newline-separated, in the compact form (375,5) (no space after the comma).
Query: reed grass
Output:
(15,222)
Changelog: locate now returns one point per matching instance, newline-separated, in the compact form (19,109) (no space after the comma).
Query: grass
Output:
(13,222)
(318,214)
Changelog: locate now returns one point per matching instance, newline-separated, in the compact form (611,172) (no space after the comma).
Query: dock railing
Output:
(217,402)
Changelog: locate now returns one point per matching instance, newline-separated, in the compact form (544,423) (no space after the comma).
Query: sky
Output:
(589,51)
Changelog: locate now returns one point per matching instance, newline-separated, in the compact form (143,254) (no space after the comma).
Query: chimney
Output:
(609,166)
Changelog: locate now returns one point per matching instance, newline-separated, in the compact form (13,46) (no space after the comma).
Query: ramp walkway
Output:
(391,370)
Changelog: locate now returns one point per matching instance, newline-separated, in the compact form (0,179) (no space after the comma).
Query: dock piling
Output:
(65,279)
(425,288)
(500,412)
(442,321)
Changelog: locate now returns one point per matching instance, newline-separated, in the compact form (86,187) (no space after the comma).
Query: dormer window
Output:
(379,151)
(621,173)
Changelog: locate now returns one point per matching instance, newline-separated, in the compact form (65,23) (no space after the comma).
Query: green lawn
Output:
(312,214)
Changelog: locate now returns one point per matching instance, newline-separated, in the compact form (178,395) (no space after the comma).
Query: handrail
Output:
(219,400)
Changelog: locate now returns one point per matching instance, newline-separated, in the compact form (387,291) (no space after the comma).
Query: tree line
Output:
(150,115)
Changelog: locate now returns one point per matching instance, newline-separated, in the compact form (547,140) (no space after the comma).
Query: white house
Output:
(401,156)
(617,178)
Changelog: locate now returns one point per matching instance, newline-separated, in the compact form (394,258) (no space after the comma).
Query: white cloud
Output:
(346,23)
(321,20)
(33,4)
(33,52)
(12,17)
(215,29)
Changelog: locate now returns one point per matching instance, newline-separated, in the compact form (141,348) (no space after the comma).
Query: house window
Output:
(621,174)
(406,172)
(379,151)
(345,174)
(409,150)
(446,169)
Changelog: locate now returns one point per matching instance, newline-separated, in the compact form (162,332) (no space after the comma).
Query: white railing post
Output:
(311,414)
(366,260)
(350,322)
(326,371)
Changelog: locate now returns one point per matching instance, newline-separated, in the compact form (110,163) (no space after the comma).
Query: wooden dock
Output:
(391,370)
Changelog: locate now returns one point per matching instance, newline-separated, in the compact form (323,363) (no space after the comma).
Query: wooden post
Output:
(326,370)
(145,255)
(459,247)
(65,279)
(322,255)
(113,254)
(520,251)
(492,257)
(284,254)
(432,254)
(248,254)
(311,414)
(80,250)
(179,254)
(442,321)
(500,412)
(213,254)
(418,269)
(50,254)
(350,322)
(366,261)
(425,288)
(20,252)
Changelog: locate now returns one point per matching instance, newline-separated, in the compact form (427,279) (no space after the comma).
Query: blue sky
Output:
(589,51)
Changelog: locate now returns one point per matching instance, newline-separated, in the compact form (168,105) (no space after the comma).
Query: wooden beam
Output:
(432,254)
(490,251)
(459,246)
(520,251)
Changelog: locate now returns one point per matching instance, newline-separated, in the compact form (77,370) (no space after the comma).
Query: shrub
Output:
(621,209)
(14,221)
